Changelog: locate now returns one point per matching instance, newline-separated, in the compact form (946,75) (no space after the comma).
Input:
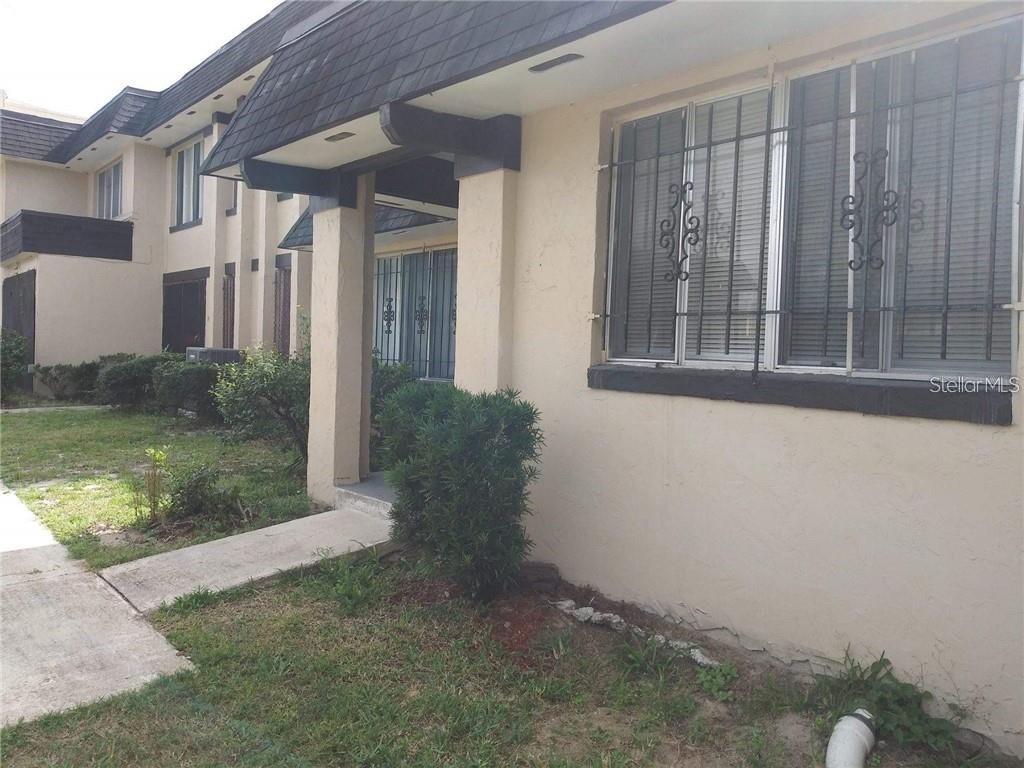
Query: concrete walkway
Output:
(237,560)
(66,637)
(54,409)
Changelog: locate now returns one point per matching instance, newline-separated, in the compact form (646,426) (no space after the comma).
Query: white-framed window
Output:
(853,220)
(108,191)
(188,188)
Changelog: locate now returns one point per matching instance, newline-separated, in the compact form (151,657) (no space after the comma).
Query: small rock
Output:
(566,606)
(586,613)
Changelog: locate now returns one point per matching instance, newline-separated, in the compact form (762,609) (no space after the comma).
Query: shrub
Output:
(67,381)
(148,497)
(387,379)
(195,495)
(187,385)
(898,707)
(130,382)
(267,395)
(463,465)
(13,358)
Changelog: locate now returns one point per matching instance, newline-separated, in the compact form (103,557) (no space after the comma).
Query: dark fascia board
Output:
(186,276)
(57,233)
(426,179)
(222,118)
(880,397)
(275,177)
(496,139)
(229,269)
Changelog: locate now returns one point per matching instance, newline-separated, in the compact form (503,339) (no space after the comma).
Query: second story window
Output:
(108,192)
(188,184)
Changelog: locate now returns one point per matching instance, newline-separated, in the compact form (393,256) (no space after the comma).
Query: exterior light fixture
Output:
(219,95)
(168,125)
(339,136)
(190,112)
(248,77)
(544,66)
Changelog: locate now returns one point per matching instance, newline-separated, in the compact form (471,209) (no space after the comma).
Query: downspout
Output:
(852,740)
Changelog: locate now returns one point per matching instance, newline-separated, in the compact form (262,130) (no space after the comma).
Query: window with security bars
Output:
(865,223)
(414,312)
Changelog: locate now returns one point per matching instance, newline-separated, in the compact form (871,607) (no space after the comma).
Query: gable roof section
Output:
(135,111)
(372,53)
(386,218)
(30,136)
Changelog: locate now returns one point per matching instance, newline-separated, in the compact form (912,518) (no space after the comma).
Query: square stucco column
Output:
(341,324)
(487,217)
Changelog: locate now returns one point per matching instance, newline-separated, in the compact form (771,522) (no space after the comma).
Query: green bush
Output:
(67,381)
(267,395)
(13,358)
(898,707)
(130,382)
(387,379)
(462,467)
(195,494)
(187,385)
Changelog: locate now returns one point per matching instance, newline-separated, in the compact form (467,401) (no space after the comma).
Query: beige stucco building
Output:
(757,264)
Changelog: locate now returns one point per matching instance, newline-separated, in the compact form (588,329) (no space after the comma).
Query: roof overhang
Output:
(667,40)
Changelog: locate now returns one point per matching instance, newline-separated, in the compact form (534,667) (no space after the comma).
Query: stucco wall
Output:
(39,187)
(103,301)
(794,530)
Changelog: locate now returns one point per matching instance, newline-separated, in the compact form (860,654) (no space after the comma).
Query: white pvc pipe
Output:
(852,741)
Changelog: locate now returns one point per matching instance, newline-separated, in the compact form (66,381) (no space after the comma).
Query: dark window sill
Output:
(186,225)
(880,397)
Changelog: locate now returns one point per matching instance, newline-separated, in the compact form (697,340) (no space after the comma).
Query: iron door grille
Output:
(282,310)
(414,324)
(229,311)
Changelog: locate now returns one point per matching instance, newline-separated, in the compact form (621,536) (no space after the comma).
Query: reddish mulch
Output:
(517,620)
(426,591)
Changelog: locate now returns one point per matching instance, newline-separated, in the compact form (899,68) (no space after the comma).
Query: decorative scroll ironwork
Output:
(388,316)
(678,256)
(453,313)
(422,315)
(867,213)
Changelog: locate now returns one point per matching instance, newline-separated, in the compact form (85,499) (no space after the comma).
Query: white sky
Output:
(73,56)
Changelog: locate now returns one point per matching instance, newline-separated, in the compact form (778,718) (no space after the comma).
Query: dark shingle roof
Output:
(373,53)
(31,136)
(119,115)
(242,53)
(386,218)
(135,111)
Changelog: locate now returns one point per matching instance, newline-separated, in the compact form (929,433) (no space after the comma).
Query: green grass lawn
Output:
(351,665)
(72,469)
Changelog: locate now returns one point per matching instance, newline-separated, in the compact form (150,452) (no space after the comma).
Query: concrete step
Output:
(372,496)
(237,560)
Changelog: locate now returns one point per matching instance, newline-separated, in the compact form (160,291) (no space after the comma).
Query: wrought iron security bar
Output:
(415,312)
(953,102)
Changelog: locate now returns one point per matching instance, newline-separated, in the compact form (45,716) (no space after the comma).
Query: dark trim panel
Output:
(496,140)
(282,196)
(186,225)
(283,261)
(186,275)
(64,235)
(190,139)
(222,118)
(254,265)
(880,397)
(229,269)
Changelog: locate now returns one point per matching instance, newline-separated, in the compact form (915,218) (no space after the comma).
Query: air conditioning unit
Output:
(213,355)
